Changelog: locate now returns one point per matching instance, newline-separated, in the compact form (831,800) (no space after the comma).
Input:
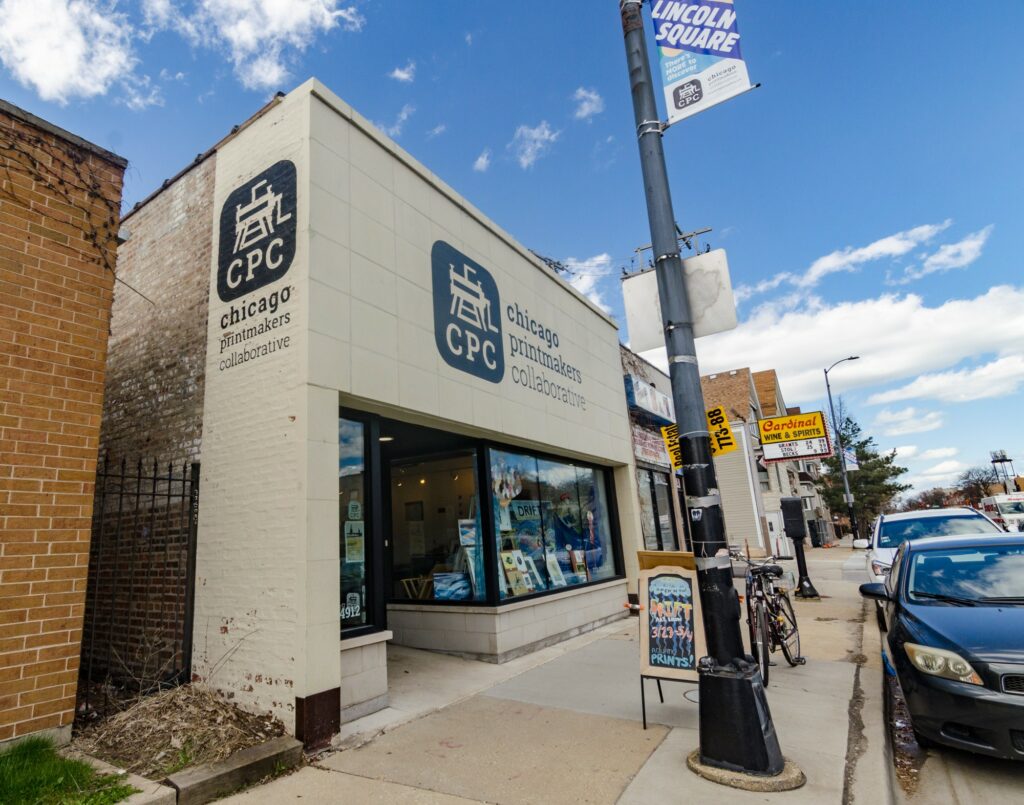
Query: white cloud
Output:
(469,39)
(584,276)
(897,337)
(260,36)
(588,103)
(483,162)
(530,144)
(938,452)
(906,451)
(66,49)
(848,259)
(997,378)
(395,129)
(944,469)
(948,256)
(404,74)
(437,131)
(907,420)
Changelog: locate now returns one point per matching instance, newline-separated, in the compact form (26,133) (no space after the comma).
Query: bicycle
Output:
(771,618)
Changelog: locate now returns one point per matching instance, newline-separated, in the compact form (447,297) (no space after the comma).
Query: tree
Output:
(929,499)
(873,484)
(974,483)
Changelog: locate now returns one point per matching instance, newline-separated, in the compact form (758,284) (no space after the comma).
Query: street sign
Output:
(670,433)
(794,436)
(722,440)
(708,289)
(699,48)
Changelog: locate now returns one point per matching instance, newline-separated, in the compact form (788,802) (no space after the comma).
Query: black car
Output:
(954,608)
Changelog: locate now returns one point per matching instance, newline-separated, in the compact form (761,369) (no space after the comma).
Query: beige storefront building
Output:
(411,430)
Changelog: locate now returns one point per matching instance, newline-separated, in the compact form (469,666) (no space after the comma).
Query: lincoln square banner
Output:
(701,62)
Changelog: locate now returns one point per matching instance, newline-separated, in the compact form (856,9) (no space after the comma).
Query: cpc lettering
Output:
(467,342)
(268,256)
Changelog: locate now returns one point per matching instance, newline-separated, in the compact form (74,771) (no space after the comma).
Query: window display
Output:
(352,499)
(435,527)
(552,524)
(656,518)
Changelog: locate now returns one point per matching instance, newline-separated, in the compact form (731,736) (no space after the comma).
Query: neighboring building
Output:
(59,208)
(410,429)
(659,487)
(741,482)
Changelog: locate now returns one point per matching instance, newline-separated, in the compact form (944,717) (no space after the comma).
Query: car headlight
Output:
(939,662)
(879,568)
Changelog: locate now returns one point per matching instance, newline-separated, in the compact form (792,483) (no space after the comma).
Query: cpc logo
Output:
(257,232)
(467,314)
(688,94)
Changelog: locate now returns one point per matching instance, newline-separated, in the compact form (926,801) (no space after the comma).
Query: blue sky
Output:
(869,194)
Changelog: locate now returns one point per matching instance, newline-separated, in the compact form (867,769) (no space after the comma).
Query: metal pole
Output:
(837,428)
(736,730)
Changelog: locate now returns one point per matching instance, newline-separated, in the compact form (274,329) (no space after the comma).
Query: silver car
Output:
(892,530)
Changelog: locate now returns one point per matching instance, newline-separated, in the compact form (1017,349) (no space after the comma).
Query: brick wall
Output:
(59,208)
(153,402)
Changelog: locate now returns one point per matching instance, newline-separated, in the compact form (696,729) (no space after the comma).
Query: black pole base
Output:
(804,589)
(736,729)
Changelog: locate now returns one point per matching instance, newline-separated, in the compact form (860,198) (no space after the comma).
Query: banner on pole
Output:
(701,61)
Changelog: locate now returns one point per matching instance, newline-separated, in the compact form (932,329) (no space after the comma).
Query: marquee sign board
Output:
(794,436)
(671,624)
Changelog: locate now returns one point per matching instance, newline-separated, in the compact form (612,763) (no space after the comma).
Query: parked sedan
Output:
(954,609)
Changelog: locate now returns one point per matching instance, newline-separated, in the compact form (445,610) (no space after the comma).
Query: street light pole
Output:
(736,730)
(837,427)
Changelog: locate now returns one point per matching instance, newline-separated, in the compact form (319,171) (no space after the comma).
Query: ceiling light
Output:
(386,439)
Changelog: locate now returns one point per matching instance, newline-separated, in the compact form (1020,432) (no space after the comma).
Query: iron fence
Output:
(137,634)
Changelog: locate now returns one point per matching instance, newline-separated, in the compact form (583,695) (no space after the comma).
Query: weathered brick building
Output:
(59,212)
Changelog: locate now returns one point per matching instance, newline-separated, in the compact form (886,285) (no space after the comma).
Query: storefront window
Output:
(552,524)
(656,518)
(437,551)
(352,500)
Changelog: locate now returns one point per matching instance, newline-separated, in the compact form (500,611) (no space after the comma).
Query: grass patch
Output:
(32,773)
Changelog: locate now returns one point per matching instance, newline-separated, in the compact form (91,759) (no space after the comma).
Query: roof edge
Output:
(32,120)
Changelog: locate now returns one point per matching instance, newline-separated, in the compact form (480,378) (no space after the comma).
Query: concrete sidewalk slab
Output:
(509,752)
(312,785)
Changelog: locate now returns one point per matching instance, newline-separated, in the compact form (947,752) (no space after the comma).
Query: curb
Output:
(150,791)
(208,782)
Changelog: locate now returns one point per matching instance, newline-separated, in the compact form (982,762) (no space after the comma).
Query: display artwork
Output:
(578,562)
(512,573)
(414,510)
(467,532)
(555,571)
(417,538)
(355,544)
(452,587)
(671,629)
(534,574)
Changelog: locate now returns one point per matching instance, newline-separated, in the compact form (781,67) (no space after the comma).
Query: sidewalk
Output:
(563,725)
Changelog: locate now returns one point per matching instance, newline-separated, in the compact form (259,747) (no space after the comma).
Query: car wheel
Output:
(923,740)
(881,618)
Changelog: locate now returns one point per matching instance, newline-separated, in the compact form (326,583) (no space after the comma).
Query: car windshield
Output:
(895,532)
(988,573)
(1014,507)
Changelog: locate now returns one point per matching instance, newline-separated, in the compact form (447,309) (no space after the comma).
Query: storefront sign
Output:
(468,322)
(671,626)
(701,63)
(722,440)
(642,395)
(784,438)
(648,446)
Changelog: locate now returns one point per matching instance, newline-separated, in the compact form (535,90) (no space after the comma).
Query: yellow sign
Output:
(670,433)
(722,441)
(792,428)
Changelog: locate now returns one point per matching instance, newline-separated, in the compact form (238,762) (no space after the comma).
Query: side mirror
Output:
(861,543)
(874,590)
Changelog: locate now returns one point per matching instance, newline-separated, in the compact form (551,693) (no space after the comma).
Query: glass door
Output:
(353,489)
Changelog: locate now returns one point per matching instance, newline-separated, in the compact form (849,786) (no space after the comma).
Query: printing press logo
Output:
(688,94)
(257,232)
(467,314)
